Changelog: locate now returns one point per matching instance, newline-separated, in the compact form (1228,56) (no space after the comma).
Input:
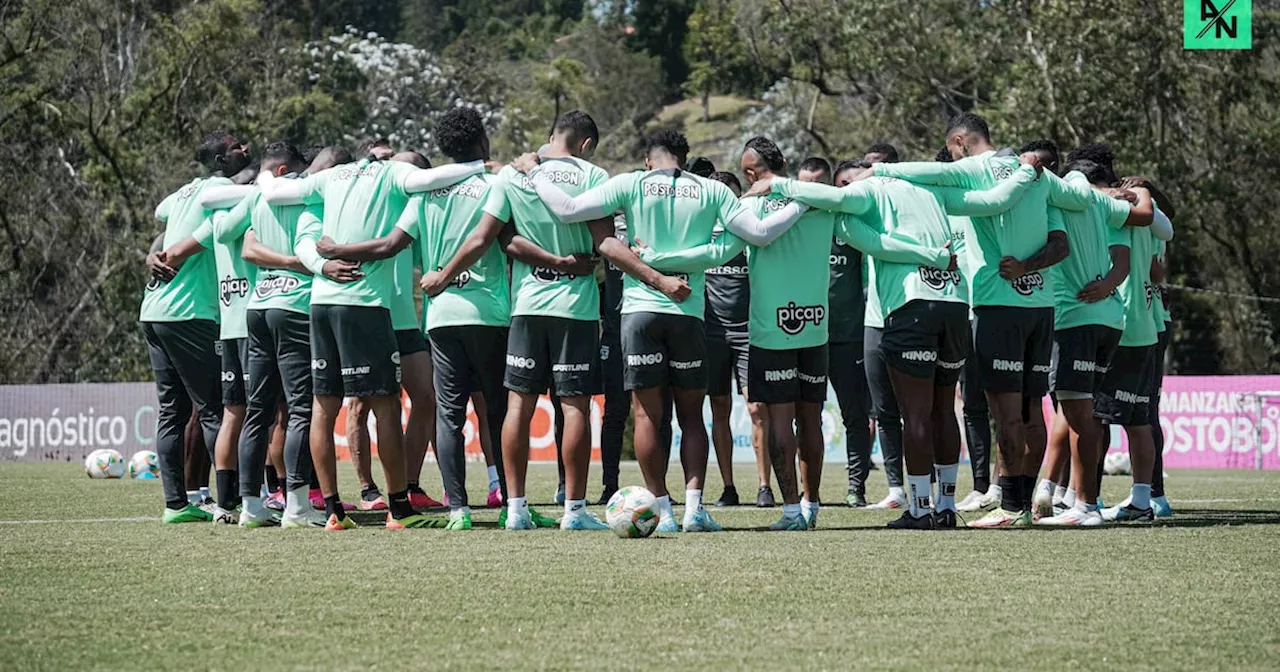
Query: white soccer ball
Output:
(1116,464)
(104,463)
(144,464)
(632,512)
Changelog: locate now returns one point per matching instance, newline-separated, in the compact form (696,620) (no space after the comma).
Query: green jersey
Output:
(236,276)
(541,291)
(362,201)
(1019,232)
(1137,291)
(1091,233)
(193,293)
(669,211)
(276,227)
(440,221)
(1160,310)
(789,281)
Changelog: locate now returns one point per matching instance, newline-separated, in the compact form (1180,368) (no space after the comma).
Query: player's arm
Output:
(1055,249)
(626,260)
(854,199)
(428,179)
(882,246)
(225,196)
(233,225)
(1067,195)
(304,191)
(156,262)
(1100,289)
(1156,195)
(953,174)
(370,250)
(264,257)
(473,247)
(696,259)
(522,249)
(199,241)
(592,204)
(307,234)
(987,202)
(1161,227)
(164,208)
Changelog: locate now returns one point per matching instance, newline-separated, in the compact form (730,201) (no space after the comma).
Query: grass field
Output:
(1198,592)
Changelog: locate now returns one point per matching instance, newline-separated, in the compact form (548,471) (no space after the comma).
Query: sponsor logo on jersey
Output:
(319,364)
(685,366)
(551,275)
(1040,368)
(728,270)
(355,370)
(779,375)
(1028,284)
(604,352)
(951,366)
(351,171)
(468,190)
(776,204)
(792,319)
(230,288)
(1131,398)
(812,380)
(937,279)
(1150,290)
(667,190)
(645,360)
(228,376)
(153,284)
(276,284)
(188,190)
(1001,172)
(572,368)
(395,358)
(839,260)
(460,281)
(517,362)
(1006,365)
(1084,366)
(920,356)
(555,176)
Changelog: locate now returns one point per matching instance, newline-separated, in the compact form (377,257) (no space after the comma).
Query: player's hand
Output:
(1122,194)
(1095,291)
(158,264)
(433,283)
(327,248)
(761,187)
(578,264)
(1011,268)
(493,167)
(954,264)
(1135,181)
(674,288)
(1032,159)
(338,270)
(526,163)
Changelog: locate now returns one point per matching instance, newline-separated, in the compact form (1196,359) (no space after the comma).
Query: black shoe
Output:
(944,520)
(729,497)
(910,522)
(606,496)
(764,498)
(856,500)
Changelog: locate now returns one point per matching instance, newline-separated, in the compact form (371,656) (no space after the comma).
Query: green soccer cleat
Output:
(540,520)
(459,523)
(417,520)
(187,514)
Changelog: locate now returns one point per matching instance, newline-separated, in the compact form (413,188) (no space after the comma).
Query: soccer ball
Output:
(632,512)
(104,463)
(144,464)
(1116,464)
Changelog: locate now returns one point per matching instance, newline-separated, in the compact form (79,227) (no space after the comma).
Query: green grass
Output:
(1199,592)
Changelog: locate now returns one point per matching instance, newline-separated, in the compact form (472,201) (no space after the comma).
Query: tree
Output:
(717,60)
(561,80)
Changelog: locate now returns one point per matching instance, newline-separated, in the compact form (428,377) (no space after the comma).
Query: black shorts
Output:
(928,339)
(660,349)
(787,376)
(410,342)
(727,356)
(1081,356)
(543,350)
(353,352)
(1125,395)
(234,353)
(1013,347)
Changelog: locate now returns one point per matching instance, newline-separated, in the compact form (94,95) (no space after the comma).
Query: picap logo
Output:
(937,279)
(1217,24)
(552,275)
(1028,284)
(276,284)
(460,281)
(1150,290)
(230,288)
(153,284)
(792,319)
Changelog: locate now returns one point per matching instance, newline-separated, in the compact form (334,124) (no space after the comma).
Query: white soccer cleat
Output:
(225,517)
(307,519)
(1072,518)
(581,520)
(891,502)
(1042,503)
(701,521)
(971,502)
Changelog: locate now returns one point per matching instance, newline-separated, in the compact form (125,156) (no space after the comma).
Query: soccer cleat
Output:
(810,517)
(729,497)
(909,522)
(701,521)
(209,506)
(336,524)
(1042,503)
(582,520)
(1059,508)
(459,523)
(521,521)
(419,499)
(296,521)
(856,500)
(1002,518)
(944,520)
(667,526)
(378,503)
(225,517)
(606,496)
(764,497)
(1127,514)
(890,502)
(792,523)
(560,495)
(495,498)
(187,514)
(274,501)
(1160,506)
(252,522)
(408,522)
(1072,518)
(541,520)
(976,501)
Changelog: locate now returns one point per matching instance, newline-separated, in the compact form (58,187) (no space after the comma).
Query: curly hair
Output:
(673,142)
(459,131)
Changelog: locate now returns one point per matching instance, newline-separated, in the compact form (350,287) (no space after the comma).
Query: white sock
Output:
(252,506)
(897,492)
(573,507)
(1140,496)
(664,508)
(947,474)
(692,501)
(493,478)
(517,506)
(204,494)
(790,510)
(921,488)
(1059,494)
(1069,498)
(297,501)
(1045,488)
(808,508)
(457,513)
(995,491)
(193,497)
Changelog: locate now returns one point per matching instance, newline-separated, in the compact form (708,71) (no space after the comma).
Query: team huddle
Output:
(892,282)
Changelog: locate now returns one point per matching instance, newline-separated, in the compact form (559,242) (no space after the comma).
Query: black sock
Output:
(333,507)
(1028,491)
(1010,493)
(399,504)
(273,479)
(413,486)
(228,488)
(370,492)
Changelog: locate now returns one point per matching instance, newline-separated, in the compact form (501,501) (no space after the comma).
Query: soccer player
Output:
(179,317)
(617,402)
(354,347)
(663,339)
(728,298)
(1013,300)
